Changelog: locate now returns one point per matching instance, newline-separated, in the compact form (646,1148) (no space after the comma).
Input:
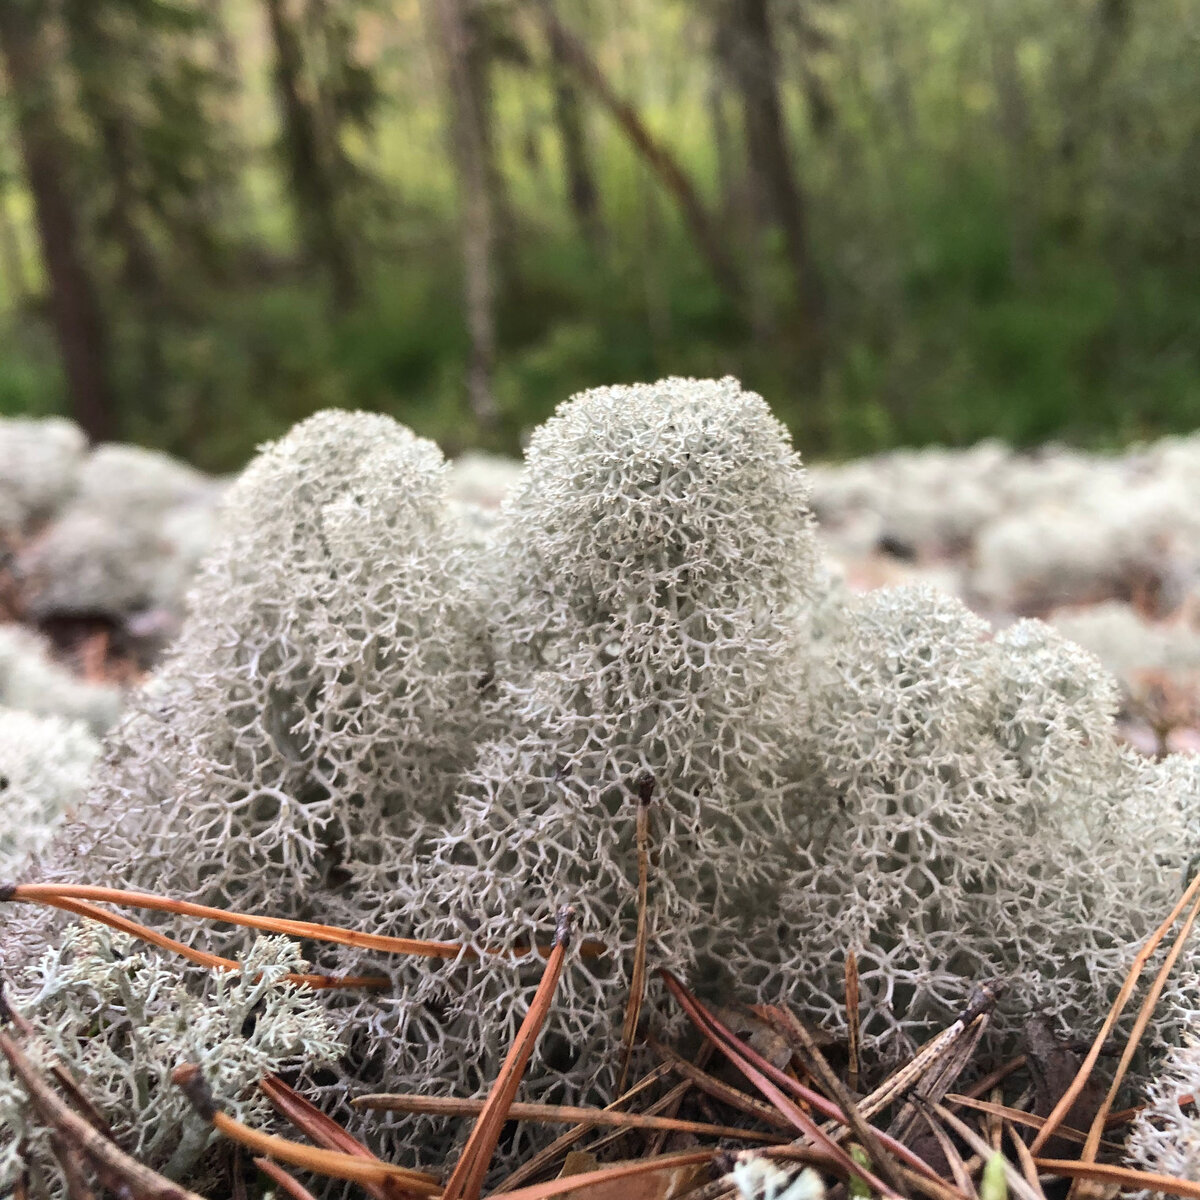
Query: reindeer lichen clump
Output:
(383,714)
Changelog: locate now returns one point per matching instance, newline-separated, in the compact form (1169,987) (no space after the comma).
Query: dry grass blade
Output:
(1016,1116)
(768,1079)
(1135,1037)
(118,1170)
(554,1188)
(282,1180)
(637,982)
(1068,1098)
(852,1018)
(1123,1177)
(201,957)
(1016,1181)
(794,1031)
(466,1180)
(46,893)
(333,1163)
(962,1177)
(1028,1166)
(532,1167)
(557,1113)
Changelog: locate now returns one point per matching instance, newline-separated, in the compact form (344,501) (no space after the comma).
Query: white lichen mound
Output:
(971,813)
(322,695)
(44,766)
(32,681)
(130,539)
(653,565)
(121,1018)
(39,467)
(1165,1137)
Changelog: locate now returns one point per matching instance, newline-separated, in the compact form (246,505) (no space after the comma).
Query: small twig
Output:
(1028,1166)
(71,1161)
(853,1018)
(637,983)
(1125,1178)
(554,1188)
(1016,1181)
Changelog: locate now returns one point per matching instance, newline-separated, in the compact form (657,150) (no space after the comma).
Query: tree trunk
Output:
(660,160)
(316,194)
(78,318)
(476,196)
(582,191)
(754,61)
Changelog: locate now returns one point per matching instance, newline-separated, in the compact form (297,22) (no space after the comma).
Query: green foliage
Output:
(1002,210)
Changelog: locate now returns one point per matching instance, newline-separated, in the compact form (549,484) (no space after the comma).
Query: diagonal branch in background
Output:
(709,240)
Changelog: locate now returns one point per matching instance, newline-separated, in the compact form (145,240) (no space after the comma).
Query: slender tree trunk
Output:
(10,253)
(316,193)
(754,60)
(661,161)
(476,200)
(78,317)
(582,191)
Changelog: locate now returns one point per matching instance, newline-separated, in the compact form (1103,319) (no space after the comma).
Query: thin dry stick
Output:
(554,1114)
(853,1016)
(289,1185)
(109,1160)
(1139,1028)
(201,957)
(539,1162)
(45,893)
(1001,1073)
(794,1031)
(71,1162)
(1068,1098)
(658,1142)
(768,1078)
(332,1163)
(1016,1116)
(466,1180)
(657,1109)
(637,983)
(1124,1177)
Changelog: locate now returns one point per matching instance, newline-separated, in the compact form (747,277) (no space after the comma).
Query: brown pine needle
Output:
(202,958)
(332,1163)
(794,1031)
(466,1180)
(637,983)
(1139,1028)
(1016,1181)
(553,1188)
(769,1081)
(319,1128)
(1068,1098)
(281,1179)
(556,1113)
(1124,1177)
(50,893)
(1028,1166)
(853,1016)
(532,1167)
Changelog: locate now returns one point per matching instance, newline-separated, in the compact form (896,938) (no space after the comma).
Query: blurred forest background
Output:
(901,220)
